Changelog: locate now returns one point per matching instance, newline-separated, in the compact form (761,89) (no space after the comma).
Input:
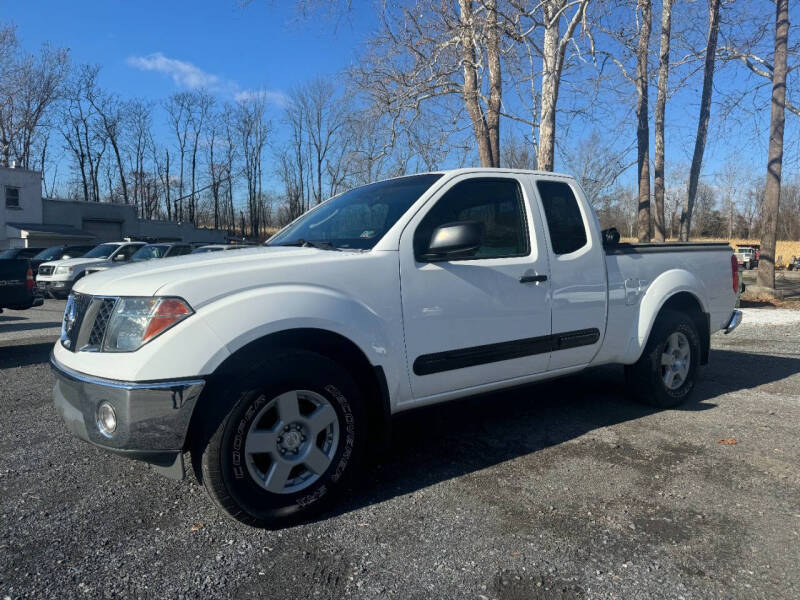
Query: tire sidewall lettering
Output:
(318,490)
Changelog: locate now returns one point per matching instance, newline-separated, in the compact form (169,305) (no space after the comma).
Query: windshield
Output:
(101,251)
(10,253)
(358,218)
(148,252)
(202,249)
(51,253)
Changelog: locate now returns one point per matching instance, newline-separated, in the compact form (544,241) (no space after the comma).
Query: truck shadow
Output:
(437,443)
(23,355)
(29,326)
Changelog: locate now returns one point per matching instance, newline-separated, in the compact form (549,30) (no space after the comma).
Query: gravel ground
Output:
(39,324)
(559,490)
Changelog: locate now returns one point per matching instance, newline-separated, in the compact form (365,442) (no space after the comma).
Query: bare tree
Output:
(178,107)
(702,123)
(321,113)
(200,104)
(553,51)
(597,165)
(29,86)
(772,191)
(253,128)
(110,110)
(140,144)
(437,56)
(85,138)
(642,121)
(661,103)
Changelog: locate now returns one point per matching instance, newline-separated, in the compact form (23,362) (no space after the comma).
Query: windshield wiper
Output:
(312,243)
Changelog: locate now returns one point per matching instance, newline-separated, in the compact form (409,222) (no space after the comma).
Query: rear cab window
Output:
(563,216)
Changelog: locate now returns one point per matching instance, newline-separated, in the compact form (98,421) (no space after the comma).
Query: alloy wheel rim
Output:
(291,441)
(676,359)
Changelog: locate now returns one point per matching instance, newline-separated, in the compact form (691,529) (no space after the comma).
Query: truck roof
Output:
(490,170)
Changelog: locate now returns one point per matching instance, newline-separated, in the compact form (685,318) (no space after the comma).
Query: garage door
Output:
(106,231)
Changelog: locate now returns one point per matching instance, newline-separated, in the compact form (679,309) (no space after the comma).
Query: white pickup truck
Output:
(279,367)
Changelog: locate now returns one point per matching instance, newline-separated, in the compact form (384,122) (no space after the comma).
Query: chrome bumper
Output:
(733,322)
(152,417)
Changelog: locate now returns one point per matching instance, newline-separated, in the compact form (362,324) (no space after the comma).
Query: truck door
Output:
(486,317)
(578,278)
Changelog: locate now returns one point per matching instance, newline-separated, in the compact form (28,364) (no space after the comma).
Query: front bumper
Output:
(54,285)
(152,417)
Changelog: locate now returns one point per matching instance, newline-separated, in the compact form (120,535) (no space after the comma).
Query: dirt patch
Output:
(748,301)
(511,585)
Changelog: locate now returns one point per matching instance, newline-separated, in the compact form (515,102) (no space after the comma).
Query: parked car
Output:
(148,252)
(747,256)
(794,263)
(58,253)
(14,253)
(216,248)
(280,367)
(17,287)
(57,277)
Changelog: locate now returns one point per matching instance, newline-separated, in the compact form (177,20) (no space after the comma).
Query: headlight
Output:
(136,321)
(63,271)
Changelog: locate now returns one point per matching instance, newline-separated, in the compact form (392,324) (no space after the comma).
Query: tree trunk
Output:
(661,104)
(772,191)
(167,186)
(471,89)
(702,124)
(495,81)
(643,124)
(193,199)
(545,159)
(121,168)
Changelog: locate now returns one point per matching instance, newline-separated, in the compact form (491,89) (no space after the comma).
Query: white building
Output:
(28,220)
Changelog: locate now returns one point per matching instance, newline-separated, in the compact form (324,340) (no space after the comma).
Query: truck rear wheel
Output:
(664,376)
(291,440)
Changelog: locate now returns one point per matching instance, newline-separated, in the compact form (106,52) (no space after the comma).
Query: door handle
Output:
(532,278)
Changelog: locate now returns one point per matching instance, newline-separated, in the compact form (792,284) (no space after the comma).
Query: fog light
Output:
(106,419)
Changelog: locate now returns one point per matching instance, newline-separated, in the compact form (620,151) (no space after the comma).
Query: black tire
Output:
(645,378)
(224,467)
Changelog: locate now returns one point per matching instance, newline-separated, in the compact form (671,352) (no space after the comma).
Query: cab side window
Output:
(495,203)
(564,219)
(126,252)
(179,250)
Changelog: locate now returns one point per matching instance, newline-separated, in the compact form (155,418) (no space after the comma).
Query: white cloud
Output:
(183,73)
(190,76)
(270,96)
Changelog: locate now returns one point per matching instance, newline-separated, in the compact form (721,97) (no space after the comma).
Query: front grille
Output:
(104,310)
(77,305)
(46,270)
(85,322)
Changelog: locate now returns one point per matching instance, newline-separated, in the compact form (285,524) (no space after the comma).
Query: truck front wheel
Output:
(664,376)
(291,440)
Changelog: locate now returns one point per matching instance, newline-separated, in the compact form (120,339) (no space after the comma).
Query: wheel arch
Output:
(686,302)
(370,378)
(677,289)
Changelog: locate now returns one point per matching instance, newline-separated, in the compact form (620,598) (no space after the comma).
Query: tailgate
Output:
(13,282)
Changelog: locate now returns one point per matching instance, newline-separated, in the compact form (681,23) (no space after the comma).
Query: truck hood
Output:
(72,262)
(200,278)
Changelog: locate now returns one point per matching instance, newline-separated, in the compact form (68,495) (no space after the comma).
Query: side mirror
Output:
(120,257)
(610,237)
(454,240)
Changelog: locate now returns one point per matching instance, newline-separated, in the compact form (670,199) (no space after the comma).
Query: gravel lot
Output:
(560,490)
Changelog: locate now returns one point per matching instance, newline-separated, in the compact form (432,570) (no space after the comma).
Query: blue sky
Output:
(151,49)
(260,46)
